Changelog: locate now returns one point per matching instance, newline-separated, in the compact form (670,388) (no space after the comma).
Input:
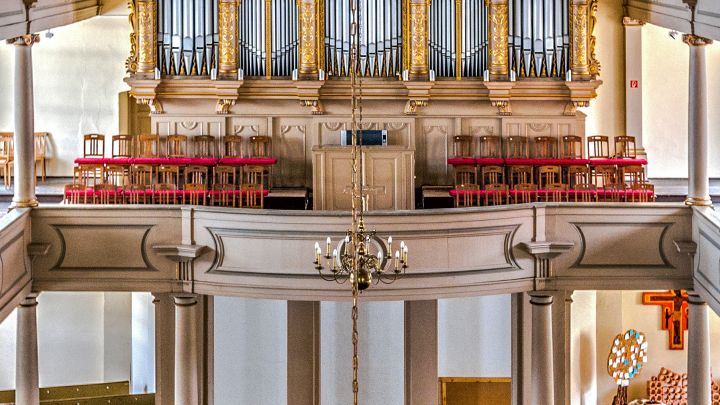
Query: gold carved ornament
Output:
(268,38)
(593,63)
(406,34)
(131,62)
(498,38)
(320,34)
(308,36)
(227,27)
(419,39)
(146,36)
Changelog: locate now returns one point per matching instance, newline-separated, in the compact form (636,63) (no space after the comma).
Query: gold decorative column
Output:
(498,38)
(228,44)
(582,42)
(308,30)
(418,40)
(147,38)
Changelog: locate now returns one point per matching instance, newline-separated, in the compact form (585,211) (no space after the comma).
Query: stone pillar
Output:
(543,385)
(147,38)
(633,83)
(308,35)
(24,159)
(228,34)
(164,348)
(498,39)
(562,311)
(521,330)
(418,39)
(579,61)
(698,181)
(421,365)
(186,350)
(303,353)
(27,389)
(699,380)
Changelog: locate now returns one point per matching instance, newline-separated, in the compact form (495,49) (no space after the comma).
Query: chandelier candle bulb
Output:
(397,260)
(327,250)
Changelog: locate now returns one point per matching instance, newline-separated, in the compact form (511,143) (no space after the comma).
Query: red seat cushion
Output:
(461,161)
(150,161)
(248,161)
(117,161)
(618,162)
(89,160)
(88,192)
(204,161)
(179,161)
(489,161)
(232,161)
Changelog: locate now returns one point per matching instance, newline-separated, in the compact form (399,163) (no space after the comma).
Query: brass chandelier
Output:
(362,257)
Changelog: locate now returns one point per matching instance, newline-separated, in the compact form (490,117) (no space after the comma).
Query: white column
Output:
(186,350)
(421,364)
(698,181)
(699,379)
(542,354)
(303,352)
(521,348)
(633,82)
(164,348)
(24,159)
(27,389)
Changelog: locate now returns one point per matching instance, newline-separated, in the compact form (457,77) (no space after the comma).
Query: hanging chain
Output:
(357,211)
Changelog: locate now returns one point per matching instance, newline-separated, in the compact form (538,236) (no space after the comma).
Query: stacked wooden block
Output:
(670,388)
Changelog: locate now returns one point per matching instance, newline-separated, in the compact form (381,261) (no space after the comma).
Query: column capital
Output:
(30,300)
(541,297)
(695,40)
(185,300)
(632,22)
(24,40)
(695,298)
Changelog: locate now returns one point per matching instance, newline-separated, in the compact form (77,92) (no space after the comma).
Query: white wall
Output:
(250,351)
(142,378)
(583,385)
(474,337)
(82,338)
(665,103)
(78,74)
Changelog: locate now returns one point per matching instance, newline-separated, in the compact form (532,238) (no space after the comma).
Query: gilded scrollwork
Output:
(308,38)
(316,107)
(146,36)
(131,62)
(418,38)
(579,38)
(498,49)
(593,63)
(152,102)
(227,33)
(412,106)
(223,105)
(694,40)
(503,107)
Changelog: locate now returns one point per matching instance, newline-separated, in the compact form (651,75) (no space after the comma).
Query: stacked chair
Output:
(518,169)
(177,169)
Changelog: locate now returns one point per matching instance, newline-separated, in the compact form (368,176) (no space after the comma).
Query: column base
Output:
(32,203)
(699,201)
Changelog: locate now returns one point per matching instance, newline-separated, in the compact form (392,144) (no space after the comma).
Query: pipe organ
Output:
(458,38)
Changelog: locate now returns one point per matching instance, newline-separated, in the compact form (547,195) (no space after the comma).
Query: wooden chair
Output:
(94,146)
(642,192)
(625,147)
(549,175)
(254,174)
(148,146)
(545,147)
(613,192)
(598,147)
(117,175)
(177,146)
(467,195)
(204,146)
(496,194)
(195,189)
(123,146)
(165,189)
(603,175)
(571,147)
(585,192)
(525,193)
(89,174)
(139,190)
(41,139)
(252,196)
(76,194)
(232,146)
(260,145)
(577,174)
(632,175)
(519,174)
(465,174)
(516,147)
(7,155)
(554,192)
(462,146)
(490,146)
(224,187)
(492,175)
(105,193)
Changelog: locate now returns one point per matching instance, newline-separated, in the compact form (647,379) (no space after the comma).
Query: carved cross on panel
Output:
(674,318)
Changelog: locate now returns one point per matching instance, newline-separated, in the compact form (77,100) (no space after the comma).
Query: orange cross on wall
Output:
(674,306)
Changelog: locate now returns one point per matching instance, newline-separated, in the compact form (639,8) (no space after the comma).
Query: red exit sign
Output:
(634,84)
